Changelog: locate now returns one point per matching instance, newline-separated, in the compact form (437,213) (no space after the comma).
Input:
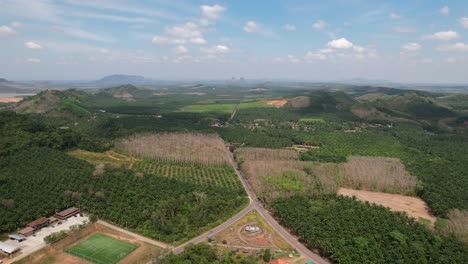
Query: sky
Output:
(315,40)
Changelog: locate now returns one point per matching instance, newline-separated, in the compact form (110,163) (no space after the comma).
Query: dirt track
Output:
(413,206)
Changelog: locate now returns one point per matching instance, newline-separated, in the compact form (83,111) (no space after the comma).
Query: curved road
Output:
(255,204)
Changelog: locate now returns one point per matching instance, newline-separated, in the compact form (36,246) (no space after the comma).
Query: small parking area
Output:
(36,241)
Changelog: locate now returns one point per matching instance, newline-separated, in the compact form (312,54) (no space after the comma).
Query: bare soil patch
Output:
(277,103)
(124,96)
(10,99)
(413,206)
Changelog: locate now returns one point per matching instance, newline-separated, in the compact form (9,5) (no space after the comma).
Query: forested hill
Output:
(54,103)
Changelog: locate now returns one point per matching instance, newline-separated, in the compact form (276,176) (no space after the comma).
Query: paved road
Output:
(254,204)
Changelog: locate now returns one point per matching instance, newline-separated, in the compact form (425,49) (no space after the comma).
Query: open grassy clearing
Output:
(413,206)
(223,108)
(208,149)
(101,249)
(219,176)
(110,158)
(311,120)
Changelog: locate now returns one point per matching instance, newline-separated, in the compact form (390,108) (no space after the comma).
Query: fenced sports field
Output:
(101,249)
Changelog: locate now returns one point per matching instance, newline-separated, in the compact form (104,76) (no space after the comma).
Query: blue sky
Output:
(408,41)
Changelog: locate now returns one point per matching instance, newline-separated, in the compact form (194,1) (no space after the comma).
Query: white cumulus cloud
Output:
(464,22)
(459,46)
(180,50)
(212,12)
(32,45)
(198,40)
(412,46)
(319,24)
(33,60)
(341,43)
(289,27)
(5,30)
(218,49)
(187,30)
(311,56)
(445,10)
(444,35)
(394,16)
(251,27)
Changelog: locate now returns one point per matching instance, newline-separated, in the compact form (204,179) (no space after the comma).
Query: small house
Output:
(8,249)
(67,213)
(16,237)
(27,231)
(39,223)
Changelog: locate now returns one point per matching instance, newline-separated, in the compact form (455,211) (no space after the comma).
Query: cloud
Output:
(251,27)
(16,24)
(443,35)
(82,34)
(412,46)
(198,40)
(444,10)
(451,60)
(5,30)
(181,34)
(341,43)
(213,12)
(394,16)
(293,59)
(218,49)
(33,60)
(289,27)
(319,25)
(459,46)
(464,22)
(32,45)
(115,6)
(180,50)
(161,40)
(403,30)
(311,56)
(359,49)
(187,30)
(109,17)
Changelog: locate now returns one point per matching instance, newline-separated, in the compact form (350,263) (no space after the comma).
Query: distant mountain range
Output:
(120,79)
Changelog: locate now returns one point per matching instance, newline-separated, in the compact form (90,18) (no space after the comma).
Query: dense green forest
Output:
(348,231)
(39,181)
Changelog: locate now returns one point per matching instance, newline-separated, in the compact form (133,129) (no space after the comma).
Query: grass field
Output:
(223,108)
(101,249)
(311,120)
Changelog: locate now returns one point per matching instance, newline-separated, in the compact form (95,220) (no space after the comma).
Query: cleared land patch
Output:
(370,173)
(277,103)
(208,149)
(102,249)
(413,206)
